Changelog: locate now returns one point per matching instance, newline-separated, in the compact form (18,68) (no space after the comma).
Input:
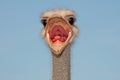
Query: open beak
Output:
(58,34)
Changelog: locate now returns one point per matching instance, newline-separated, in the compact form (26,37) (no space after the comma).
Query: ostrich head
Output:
(59,29)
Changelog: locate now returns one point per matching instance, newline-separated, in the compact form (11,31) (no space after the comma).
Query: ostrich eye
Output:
(71,19)
(44,22)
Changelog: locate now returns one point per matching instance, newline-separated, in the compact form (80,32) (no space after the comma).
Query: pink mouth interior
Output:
(58,33)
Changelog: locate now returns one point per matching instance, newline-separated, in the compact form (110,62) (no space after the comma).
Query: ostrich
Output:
(59,32)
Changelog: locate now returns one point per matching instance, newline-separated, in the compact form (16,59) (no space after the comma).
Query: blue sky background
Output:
(95,55)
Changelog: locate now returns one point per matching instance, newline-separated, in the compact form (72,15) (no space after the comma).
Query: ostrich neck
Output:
(61,65)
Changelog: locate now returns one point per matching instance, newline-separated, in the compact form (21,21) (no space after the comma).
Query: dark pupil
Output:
(44,22)
(71,20)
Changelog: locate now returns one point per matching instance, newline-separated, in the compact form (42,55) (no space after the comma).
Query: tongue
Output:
(57,37)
